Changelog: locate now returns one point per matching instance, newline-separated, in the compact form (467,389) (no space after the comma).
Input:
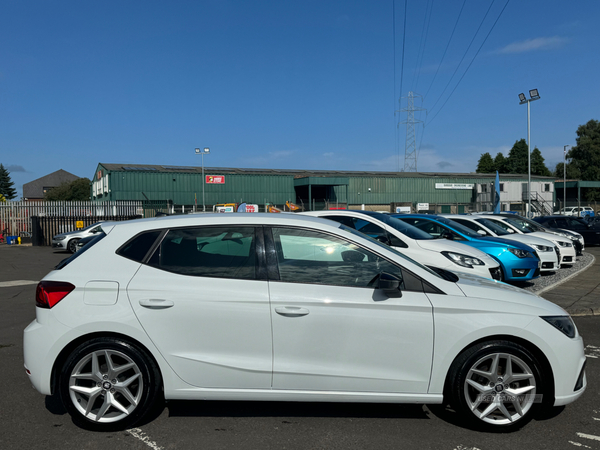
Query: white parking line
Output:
(17,283)
(589,436)
(138,433)
(577,444)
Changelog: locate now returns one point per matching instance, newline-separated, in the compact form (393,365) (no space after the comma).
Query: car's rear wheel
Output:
(496,385)
(72,246)
(109,384)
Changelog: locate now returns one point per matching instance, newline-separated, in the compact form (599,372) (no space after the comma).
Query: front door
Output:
(332,331)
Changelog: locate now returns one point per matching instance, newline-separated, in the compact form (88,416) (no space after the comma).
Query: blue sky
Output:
(289,84)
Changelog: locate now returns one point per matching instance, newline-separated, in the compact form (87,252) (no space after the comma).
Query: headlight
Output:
(565,244)
(463,260)
(58,238)
(543,248)
(520,253)
(562,323)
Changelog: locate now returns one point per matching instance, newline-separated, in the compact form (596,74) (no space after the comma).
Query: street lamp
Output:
(565,179)
(204,151)
(534,95)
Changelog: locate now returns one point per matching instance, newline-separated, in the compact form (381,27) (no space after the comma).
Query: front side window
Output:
(307,256)
(220,252)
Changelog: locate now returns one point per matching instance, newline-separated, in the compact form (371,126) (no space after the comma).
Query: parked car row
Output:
(288,307)
(580,211)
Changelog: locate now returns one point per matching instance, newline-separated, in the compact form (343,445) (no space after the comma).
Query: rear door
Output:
(204,302)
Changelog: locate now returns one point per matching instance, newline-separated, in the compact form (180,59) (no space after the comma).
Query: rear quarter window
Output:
(138,247)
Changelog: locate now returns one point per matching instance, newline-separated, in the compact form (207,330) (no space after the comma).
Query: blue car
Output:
(518,261)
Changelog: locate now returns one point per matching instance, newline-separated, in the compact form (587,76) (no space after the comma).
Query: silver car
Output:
(68,241)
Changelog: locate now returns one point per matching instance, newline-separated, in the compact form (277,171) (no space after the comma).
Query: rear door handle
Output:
(291,311)
(156,303)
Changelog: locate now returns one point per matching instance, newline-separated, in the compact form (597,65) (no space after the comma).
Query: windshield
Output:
(458,227)
(523,225)
(91,226)
(391,249)
(408,230)
(493,226)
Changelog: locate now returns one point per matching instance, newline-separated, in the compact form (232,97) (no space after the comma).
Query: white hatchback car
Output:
(548,252)
(516,224)
(417,244)
(290,308)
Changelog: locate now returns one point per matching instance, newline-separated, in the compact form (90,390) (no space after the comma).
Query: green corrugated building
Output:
(182,186)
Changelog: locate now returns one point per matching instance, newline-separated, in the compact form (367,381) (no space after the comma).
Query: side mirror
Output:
(481,232)
(389,284)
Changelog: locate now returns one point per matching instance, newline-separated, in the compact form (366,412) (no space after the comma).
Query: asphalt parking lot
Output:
(31,420)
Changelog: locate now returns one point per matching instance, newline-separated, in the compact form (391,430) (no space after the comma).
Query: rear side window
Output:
(220,252)
(138,247)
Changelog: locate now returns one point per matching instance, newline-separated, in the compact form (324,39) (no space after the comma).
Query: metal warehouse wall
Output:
(181,187)
(407,189)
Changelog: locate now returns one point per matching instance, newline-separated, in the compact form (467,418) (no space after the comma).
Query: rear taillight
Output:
(49,293)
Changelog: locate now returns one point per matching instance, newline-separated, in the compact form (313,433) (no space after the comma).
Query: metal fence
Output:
(44,228)
(15,217)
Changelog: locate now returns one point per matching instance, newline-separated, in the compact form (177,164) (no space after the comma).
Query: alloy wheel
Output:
(106,386)
(500,388)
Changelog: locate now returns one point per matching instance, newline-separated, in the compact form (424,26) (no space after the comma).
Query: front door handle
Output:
(156,303)
(291,311)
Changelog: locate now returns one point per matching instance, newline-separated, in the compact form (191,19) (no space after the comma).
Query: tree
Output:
(6,185)
(78,190)
(538,167)
(485,164)
(572,171)
(517,158)
(501,163)
(586,154)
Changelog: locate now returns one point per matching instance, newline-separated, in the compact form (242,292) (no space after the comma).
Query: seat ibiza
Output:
(290,308)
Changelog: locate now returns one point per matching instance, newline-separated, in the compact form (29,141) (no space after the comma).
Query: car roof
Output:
(223,219)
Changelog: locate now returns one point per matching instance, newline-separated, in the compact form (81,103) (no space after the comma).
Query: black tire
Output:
(72,246)
(115,386)
(491,395)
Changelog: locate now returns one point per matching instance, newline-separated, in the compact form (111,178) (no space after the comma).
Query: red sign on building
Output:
(215,179)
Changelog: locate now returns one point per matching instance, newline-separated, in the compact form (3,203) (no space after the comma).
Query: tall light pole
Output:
(204,151)
(565,179)
(534,95)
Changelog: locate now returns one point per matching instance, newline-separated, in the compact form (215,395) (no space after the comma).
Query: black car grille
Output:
(536,273)
(568,259)
(557,250)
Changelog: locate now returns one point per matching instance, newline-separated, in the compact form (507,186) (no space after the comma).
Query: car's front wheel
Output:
(72,246)
(109,384)
(496,385)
